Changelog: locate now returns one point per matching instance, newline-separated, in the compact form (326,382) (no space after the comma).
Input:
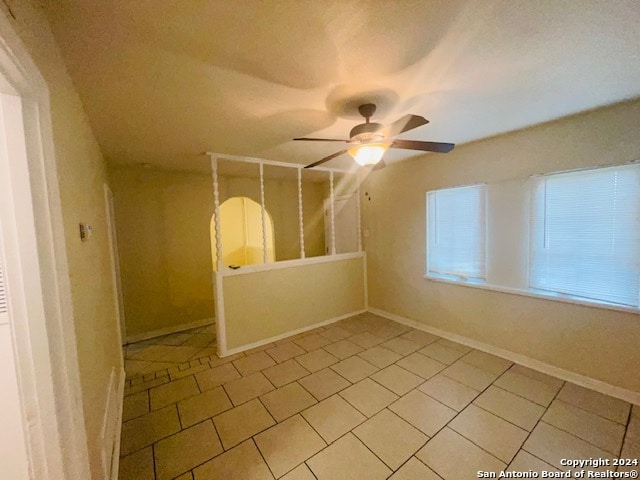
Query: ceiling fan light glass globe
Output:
(369,154)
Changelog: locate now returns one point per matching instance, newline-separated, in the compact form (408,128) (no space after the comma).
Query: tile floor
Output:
(365,398)
(148,358)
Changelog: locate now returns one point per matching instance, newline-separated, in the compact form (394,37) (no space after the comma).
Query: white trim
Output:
(569,376)
(262,161)
(538,185)
(429,247)
(300,214)
(358,206)
(536,294)
(112,425)
(333,215)
(115,263)
(115,465)
(581,169)
(260,343)
(168,330)
(366,283)
(51,381)
(338,198)
(299,262)
(221,325)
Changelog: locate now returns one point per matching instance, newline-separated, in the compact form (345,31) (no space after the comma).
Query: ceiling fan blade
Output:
(379,165)
(326,159)
(404,124)
(423,146)
(320,139)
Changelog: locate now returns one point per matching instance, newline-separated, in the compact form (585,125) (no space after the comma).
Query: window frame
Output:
(561,295)
(516,287)
(452,277)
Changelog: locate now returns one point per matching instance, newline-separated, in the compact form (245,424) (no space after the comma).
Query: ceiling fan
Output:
(370,140)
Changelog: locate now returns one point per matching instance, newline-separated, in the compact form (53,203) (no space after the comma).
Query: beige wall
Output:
(599,343)
(262,305)
(162,222)
(82,173)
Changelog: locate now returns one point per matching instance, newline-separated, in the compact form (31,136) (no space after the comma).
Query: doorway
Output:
(39,374)
(13,457)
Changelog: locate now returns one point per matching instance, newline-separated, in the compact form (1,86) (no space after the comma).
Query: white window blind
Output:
(456,232)
(585,234)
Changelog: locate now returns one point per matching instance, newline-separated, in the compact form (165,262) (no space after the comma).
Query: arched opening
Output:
(241,233)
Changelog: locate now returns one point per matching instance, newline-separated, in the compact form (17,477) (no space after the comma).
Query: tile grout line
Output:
(575,436)
(366,419)
(304,461)
(523,397)
(472,402)
(153,455)
(624,437)
(446,425)
(417,450)
(209,459)
(176,433)
(534,427)
(597,414)
(351,431)
(255,444)
(367,446)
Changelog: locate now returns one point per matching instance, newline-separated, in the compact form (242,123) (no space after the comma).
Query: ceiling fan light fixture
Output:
(368,154)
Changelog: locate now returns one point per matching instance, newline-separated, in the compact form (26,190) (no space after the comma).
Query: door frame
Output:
(115,262)
(45,346)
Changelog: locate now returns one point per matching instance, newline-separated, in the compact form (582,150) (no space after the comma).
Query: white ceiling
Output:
(163,81)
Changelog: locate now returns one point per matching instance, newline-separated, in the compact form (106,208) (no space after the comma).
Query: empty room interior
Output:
(322,240)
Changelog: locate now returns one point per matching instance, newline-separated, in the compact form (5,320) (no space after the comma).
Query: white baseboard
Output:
(168,330)
(260,343)
(115,461)
(112,425)
(582,380)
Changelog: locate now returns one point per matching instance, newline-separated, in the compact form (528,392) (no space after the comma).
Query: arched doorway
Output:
(241,233)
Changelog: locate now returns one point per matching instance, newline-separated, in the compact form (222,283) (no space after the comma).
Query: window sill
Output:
(556,297)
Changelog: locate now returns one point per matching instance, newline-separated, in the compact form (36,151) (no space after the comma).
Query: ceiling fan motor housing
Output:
(366,132)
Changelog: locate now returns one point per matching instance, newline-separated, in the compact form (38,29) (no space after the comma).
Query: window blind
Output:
(456,232)
(585,234)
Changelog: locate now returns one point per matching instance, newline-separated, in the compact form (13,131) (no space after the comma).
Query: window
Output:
(456,232)
(585,234)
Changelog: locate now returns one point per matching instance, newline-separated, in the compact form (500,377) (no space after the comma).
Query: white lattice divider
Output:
(333,223)
(265,257)
(216,213)
(300,214)
(359,217)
